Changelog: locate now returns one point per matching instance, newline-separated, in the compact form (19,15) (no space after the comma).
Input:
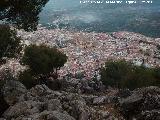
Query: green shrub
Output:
(9,43)
(123,74)
(27,79)
(43,59)
(22,13)
(113,72)
(43,62)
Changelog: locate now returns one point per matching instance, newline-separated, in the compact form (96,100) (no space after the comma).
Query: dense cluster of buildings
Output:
(87,52)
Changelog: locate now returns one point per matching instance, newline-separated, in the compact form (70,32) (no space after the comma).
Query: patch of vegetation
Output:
(27,79)
(10,44)
(124,74)
(43,62)
(22,13)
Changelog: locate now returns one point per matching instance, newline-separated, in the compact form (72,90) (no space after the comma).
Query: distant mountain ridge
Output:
(140,18)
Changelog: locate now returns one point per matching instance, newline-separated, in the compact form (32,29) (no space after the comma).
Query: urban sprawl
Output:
(87,52)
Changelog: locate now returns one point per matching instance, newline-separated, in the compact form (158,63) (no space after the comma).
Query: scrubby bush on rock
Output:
(10,44)
(43,62)
(43,59)
(27,79)
(157,73)
(113,72)
(124,74)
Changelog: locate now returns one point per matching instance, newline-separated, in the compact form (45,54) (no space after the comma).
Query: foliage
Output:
(10,44)
(123,74)
(113,72)
(27,79)
(23,13)
(157,75)
(43,62)
(43,59)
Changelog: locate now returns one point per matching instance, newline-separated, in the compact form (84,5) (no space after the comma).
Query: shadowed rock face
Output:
(3,104)
(143,103)
(12,90)
(42,103)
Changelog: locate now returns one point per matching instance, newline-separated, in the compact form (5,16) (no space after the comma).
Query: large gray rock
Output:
(144,99)
(131,103)
(42,103)
(54,104)
(89,98)
(149,115)
(81,85)
(45,115)
(99,100)
(12,90)
(22,108)
(75,105)
(79,110)
(38,93)
(105,115)
(40,90)
(2,119)
(71,85)
(107,99)
(52,115)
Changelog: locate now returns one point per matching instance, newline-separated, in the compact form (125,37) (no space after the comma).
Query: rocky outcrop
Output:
(52,115)
(81,85)
(42,103)
(12,90)
(3,104)
(7,89)
(143,103)
(23,108)
(39,103)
